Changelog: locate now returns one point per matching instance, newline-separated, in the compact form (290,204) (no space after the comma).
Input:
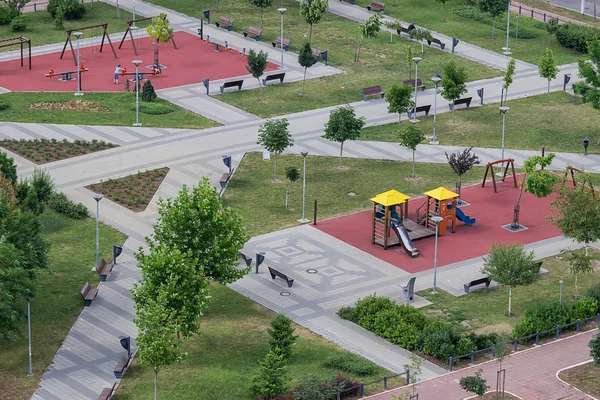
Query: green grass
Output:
(542,5)
(41,29)
(428,14)
(58,302)
(381,63)
(225,355)
(530,125)
(121,106)
(261,202)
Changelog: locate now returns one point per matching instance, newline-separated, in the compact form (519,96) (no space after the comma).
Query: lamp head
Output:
(437,219)
(586,143)
(137,62)
(504,109)
(304,153)
(417,59)
(97,196)
(282,10)
(77,34)
(436,80)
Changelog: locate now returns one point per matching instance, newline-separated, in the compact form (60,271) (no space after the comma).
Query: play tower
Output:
(440,202)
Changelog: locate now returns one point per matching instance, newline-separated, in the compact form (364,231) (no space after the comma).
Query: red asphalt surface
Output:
(192,62)
(530,374)
(491,210)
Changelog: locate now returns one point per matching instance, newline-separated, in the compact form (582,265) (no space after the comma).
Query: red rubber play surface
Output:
(492,210)
(192,62)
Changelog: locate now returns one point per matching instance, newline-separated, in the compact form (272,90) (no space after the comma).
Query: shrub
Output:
(368,307)
(351,363)
(4,105)
(474,384)
(71,9)
(43,184)
(314,388)
(594,292)
(349,313)
(586,307)
(8,167)
(154,108)
(7,14)
(438,339)
(19,24)
(543,317)
(32,202)
(481,342)
(400,325)
(61,204)
(273,378)
(595,349)
(148,93)
(576,37)
(282,335)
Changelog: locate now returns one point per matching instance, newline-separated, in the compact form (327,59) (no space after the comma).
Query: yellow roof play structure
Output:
(441,193)
(390,198)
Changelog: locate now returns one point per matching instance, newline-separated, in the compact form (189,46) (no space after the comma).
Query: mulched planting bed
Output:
(494,396)
(73,105)
(584,377)
(42,151)
(133,191)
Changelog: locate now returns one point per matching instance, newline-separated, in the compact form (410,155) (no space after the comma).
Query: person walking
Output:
(117,73)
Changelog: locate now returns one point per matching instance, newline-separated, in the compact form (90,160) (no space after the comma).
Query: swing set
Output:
(489,168)
(131,27)
(91,28)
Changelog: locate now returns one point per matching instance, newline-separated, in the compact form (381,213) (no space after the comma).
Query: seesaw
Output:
(65,75)
(142,75)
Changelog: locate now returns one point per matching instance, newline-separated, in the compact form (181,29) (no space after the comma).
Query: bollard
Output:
(557,332)
(451,363)
(315,216)
(338,396)
(362,390)
(598,320)
(515,342)
(385,383)
(577,325)
(34,7)
(472,357)
(408,376)
(537,338)
(544,17)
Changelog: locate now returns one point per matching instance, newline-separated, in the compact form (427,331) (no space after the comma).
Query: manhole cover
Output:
(285,294)
(311,271)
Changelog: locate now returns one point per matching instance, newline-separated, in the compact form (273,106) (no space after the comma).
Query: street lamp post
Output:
(436,80)
(97,197)
(78,35)
(582,7)
(282,10)
(507,49)
(517,33)
(560,296)
(137,92)
(304,220)
(436,220)
(416,60)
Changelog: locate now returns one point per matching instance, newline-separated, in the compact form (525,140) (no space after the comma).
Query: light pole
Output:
(137,92)
(582,7)
(133,26)
(416,60)
(517,33)
(282,10)
(436,220)
(28,298)
(78,35)
(436,80)
(507,49)
(97,197)
(304,220)
(561,285)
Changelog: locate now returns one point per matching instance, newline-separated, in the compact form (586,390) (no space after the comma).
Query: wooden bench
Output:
(411,82)
(274,273)
(107,392)
(253,32)
(419,109)
(476,282)
(376,6)
(274,77)
(438,42)
(225,22)
(466,101)
(224,179)
(121,367)
(88,293)
(285,43)
(104,269)
(372,91)
(231,84)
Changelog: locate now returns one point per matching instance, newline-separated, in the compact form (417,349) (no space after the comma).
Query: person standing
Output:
(117,73)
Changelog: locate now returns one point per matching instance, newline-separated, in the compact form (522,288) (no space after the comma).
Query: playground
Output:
(191,62)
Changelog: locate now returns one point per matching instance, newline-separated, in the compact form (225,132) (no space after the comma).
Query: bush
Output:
(586,307)
(595,349)
(314,388)
(4,105)
(543,317)
(282,335)
(594,293)
(474,384)
(148,93)
(71,9)
(351,363)
(61,204)
(400,325)
(273,377)
(155,108)
(7,14)
(481,342)
(576,37)
(8,167)
(19,24)
(349,313)
(439,340)
(368,307)
(43,184)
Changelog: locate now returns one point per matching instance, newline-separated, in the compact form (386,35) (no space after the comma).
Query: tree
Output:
(595,349)
(501,350)
(293,174)
(369,28)
(148,93)
(161,32)
(508,80)
(495,8)
(453,83)
(461,162)
(421,35)
(511,266)
(261,4)
(580,262)
(410,138)
(444,5)
(275,137)
(589,70)
(392,25)
(548,68)
(399,99)
(273,379)
(8,167)
(413,373)
(16,5)
(551,27)
(197,224)
(312,11)
(306,60)
(257,63)
(474,384)
(282,335)
(343,125)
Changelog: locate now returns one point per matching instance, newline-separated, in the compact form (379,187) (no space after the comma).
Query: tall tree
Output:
(312,11)
(161,32)
(548,68)
(399,99)
(275,137)
(410,137)
(454,83)
(261,4)
(257,63)
(508,80)
(495,8)
(444,6)
(589,70)
(282,335)
(421,35)
(343,125)
(306,60)
(461,162)
(511,266)
(580,262)
(369,28)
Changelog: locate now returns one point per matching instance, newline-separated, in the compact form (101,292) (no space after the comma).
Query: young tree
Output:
(589,70)
(474,384)
(197,224)
(410,138)
(257,63)
(508,80)
(273,379)
(275,137)
(511,266)
(393,26)
(399,99)
(293,174)
(454,83)
(161,32)
(312,11)
(306,60)
(495,8)
(548,68)
(282,336)
(461,162)
(261,4)
(148,93)
(421,35)
(343,125)
(8,167)
(595,349)
(551,27)
(369,28)
(17,5)
(444,6)
(580,262)
(413,372)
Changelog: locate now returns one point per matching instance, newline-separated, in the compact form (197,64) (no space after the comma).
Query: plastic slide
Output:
(405,240)
(464,218)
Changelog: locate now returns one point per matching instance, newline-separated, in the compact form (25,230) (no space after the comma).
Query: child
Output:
(117,72)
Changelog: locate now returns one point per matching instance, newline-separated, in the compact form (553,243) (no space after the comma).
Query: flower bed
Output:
(42,151)
(73,105)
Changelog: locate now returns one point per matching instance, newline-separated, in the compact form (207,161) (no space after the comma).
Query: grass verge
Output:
(58,302)
(41,151)
(584,377)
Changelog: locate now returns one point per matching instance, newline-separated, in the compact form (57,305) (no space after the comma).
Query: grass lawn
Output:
(115,109)
(530,125)
(381,63)
(262,202)
(58,303)
(41,29)
(224,357)
(428,14)
(542,5)
(584,377)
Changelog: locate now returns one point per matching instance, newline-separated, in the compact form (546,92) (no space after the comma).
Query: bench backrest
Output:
(424,108)
(225,21)
(411,82)
(101,265)
(372,90)
(232,83)
(279,274)
(285,41)
(85,290)
(479,281)
(377,3)
(463,101)
(254,31)
(275,76)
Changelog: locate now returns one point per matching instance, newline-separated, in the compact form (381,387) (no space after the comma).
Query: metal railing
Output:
(545,17)
(360,388)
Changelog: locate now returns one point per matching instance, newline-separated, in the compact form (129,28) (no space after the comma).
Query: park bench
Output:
(253,32)
(121,367)
(405,30)
(411,82)
(372,91)
(350,1)
(376,6)
(419,109)
(409,289)
(317,53)
(231,84)
(224,179)
(225,22)
(88,293)
(247,260)
(438,42)
(476,282)
(274,77)
(274,273)
(466,101)
(107,392)
(104,269)
(279,42)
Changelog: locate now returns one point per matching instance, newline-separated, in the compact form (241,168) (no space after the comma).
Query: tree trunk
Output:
(505,95)
(548,91)
(549,36)
(453,119)
(359,46)
(422,48)
(303,80)
(341,151)
(260,86)
(409,71)
(217,6)
(502,97)
(310,34)
(509,301)
(155,384)
(459,187)
(399,118)
(291,187)
(275,167)
(576,288)
(261,19)
(444,12)
(493,26)
(413,169)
